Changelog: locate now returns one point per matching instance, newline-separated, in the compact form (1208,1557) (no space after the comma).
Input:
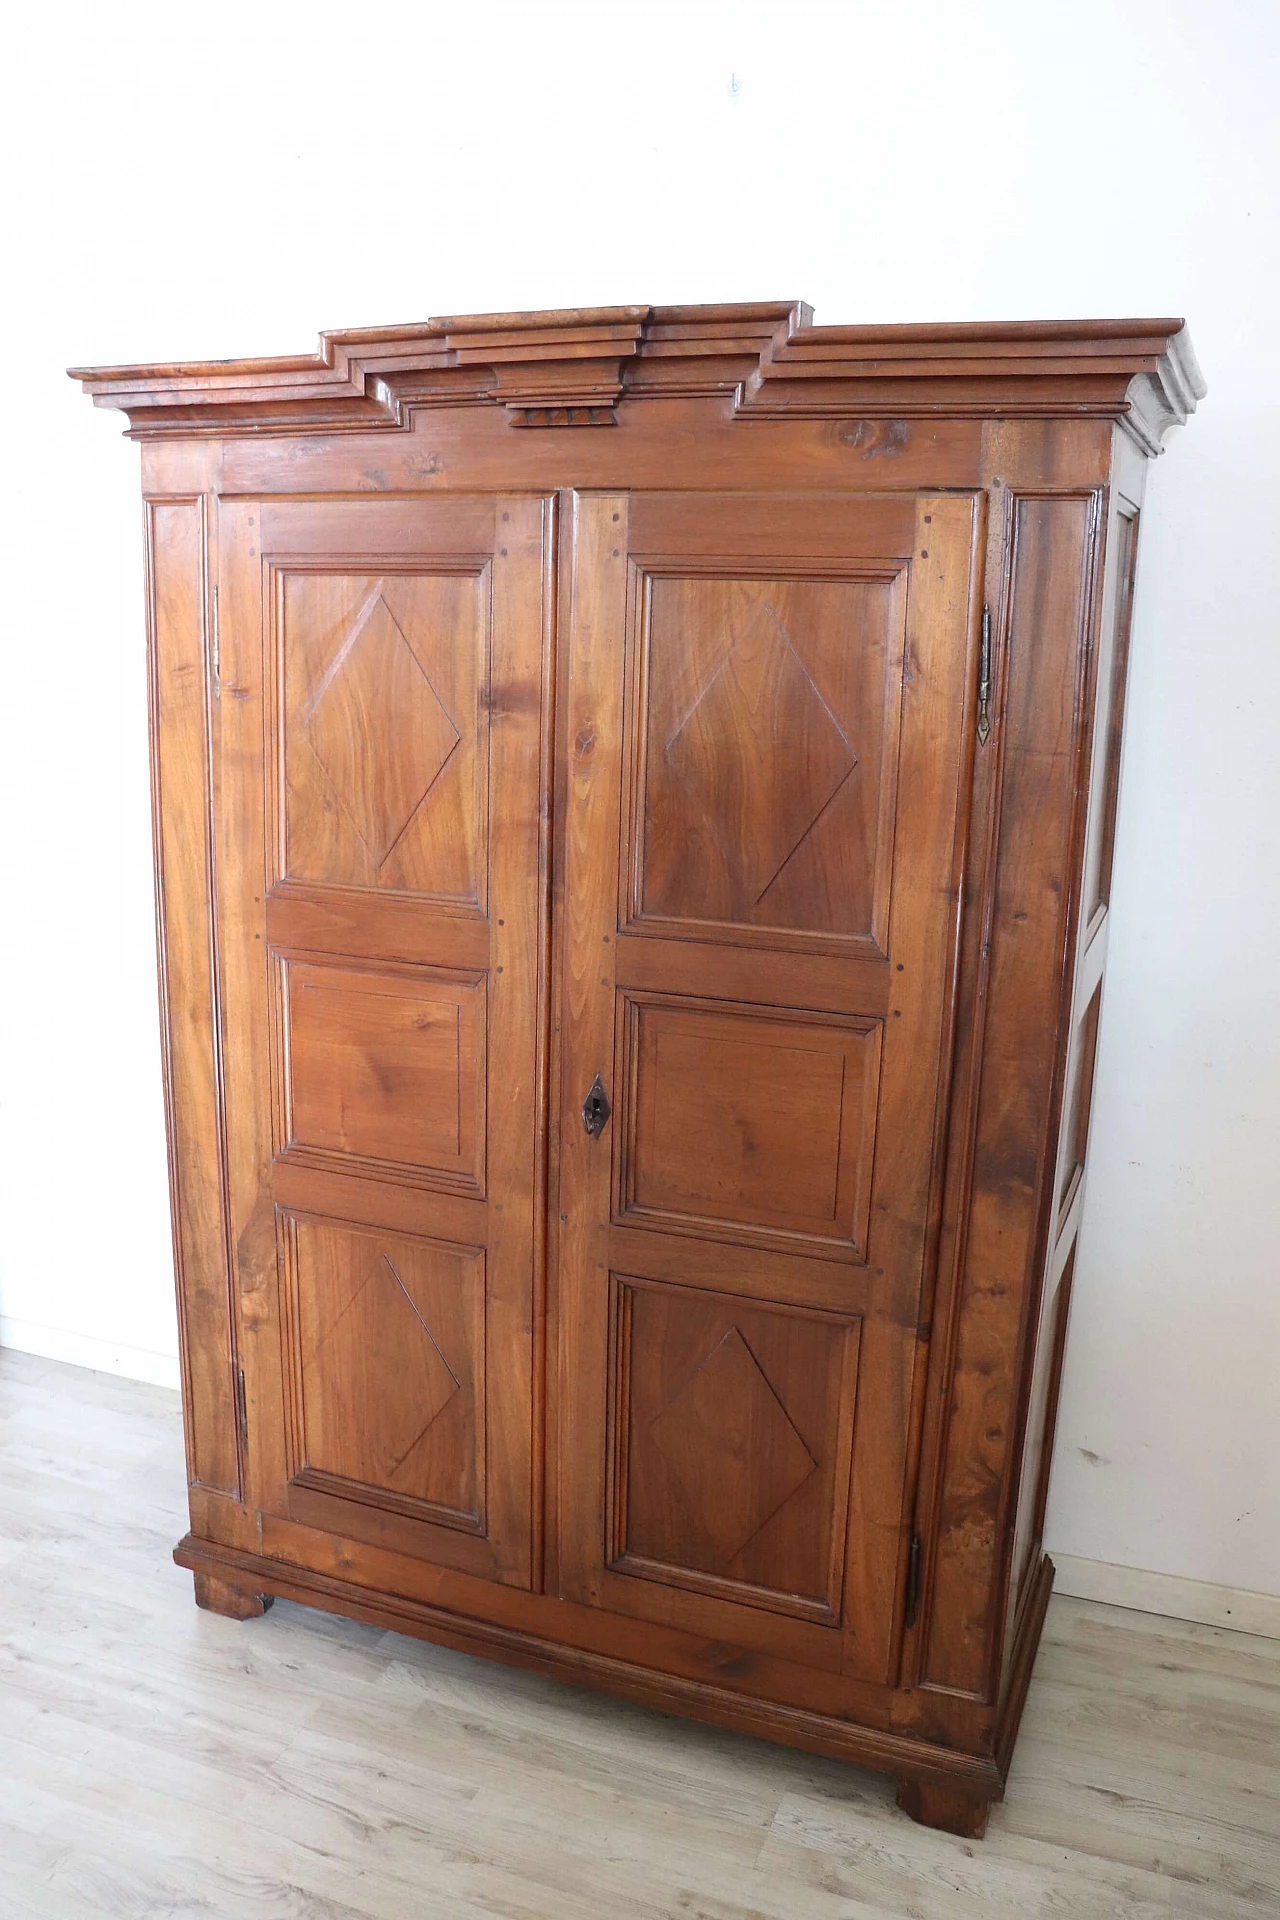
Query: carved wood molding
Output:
(573,368)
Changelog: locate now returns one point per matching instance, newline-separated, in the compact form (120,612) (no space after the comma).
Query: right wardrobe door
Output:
(764,772)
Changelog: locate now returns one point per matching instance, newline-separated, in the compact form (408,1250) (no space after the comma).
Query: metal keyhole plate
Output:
(596,1109)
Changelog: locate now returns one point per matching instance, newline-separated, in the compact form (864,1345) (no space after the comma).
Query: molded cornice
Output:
(574,368)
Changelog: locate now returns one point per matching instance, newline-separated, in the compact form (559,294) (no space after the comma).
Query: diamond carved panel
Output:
(401,1426)
(732,1448)
(383,774)
(730,1445)
(389,1337)
(765,745)
(760,754)
(379,730)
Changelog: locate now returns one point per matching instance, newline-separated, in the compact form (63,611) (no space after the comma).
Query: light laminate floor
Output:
(164,1764)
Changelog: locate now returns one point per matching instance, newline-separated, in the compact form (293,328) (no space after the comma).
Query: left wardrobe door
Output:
(379,740)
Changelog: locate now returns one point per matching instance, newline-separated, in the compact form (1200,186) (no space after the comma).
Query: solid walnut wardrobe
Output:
(634,801)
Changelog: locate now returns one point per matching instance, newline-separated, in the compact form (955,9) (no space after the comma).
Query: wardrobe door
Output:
(764,789)
(380,867)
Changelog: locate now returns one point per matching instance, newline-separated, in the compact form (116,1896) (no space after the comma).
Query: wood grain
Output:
(235,1602)
(733,1122)
(303,1764)
(1051,568)
(180,691)
(526,717)
(386,1071)
(383,735)
(572,368)
(1104,716)
(389,1375)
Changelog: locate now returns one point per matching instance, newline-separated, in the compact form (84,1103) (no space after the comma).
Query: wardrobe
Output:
(634,797)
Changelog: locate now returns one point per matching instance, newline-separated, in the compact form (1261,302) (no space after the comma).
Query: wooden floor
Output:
(166,1764)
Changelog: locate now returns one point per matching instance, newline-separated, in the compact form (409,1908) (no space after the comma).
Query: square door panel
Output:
(384,1072)
(388,1368)
(765,725)
(731,1430)
(747,1122)
(383,731)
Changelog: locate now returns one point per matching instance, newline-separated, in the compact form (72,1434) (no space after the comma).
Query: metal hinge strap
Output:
(215,650)
(911,1598)
(984,680)
(242,1409)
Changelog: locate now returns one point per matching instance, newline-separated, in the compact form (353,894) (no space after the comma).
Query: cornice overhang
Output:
(574,368)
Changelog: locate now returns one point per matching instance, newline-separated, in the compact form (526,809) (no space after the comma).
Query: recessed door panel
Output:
(385,1071)
(765,749)
(730,1435)
(374,1312)
(384,738)
(765,716)
(749,1122)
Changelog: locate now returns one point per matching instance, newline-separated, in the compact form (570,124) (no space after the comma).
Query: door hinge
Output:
(215,650)
(242,1410)
(984,680)
(911,1598)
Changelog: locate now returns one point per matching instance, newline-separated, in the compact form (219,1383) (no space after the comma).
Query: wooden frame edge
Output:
(563,368)
(1026,1644)
(884,1752)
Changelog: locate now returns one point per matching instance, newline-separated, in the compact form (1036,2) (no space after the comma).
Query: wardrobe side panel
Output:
(1044,616)
(1108,704)
(177,607)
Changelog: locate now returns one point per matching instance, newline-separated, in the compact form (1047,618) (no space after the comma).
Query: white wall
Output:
(186,189)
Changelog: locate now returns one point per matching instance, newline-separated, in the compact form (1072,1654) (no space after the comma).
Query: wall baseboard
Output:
(87,1350)
(1168,1593)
